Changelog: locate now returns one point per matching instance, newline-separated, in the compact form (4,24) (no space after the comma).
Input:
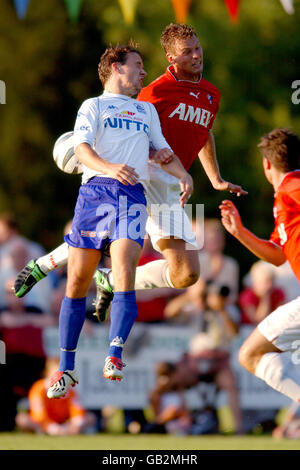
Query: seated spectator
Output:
(167,400)
(21,330)
(215,266)
(285,279)
(151,304)
(186,307)
(262,297)
(210,347)
(54,417)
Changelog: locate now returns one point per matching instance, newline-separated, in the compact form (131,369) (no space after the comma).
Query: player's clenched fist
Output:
(164,155)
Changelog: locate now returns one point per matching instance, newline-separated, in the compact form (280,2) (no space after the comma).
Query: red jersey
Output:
(186,110)
(286,212)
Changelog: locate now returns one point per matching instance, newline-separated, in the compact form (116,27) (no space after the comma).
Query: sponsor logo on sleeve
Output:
(140,108)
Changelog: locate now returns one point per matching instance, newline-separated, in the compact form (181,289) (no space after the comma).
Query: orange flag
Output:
(128,8)
(233,9)
(181,9)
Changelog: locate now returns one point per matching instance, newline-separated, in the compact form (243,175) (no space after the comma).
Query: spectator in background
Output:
(151,304)
(210,347)
(21,330)
(14,251)
(262,297)
(215,265)
(285,279)
(171,414)
(54,417)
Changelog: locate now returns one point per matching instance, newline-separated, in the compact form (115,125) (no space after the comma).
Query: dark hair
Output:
(165,368)
(282,148)
(174,32)
(213,288)
(114,54)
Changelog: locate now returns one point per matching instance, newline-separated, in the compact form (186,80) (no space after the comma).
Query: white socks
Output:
(53,260)
(279,371)
(150,276)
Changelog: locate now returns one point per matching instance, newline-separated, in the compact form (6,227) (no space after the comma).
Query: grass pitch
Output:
(101,441)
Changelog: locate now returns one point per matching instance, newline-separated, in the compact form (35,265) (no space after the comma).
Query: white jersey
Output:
(120,129)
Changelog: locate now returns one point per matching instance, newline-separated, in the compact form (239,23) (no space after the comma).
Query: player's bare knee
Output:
(185,279)
(76,287)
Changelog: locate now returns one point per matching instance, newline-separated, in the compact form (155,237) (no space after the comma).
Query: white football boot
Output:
(60,383)
(113,368)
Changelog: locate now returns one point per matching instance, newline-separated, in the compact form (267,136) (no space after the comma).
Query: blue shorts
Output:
(107,210)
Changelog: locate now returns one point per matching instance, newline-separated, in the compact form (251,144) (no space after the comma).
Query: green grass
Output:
(18,441)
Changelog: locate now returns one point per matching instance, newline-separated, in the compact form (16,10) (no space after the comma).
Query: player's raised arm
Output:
(120,171)
(208,159)
(264,249)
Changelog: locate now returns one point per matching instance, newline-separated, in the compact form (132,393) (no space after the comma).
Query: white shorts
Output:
(282,327)
(166,218)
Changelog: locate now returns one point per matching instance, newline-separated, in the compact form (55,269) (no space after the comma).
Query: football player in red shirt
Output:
(272,350)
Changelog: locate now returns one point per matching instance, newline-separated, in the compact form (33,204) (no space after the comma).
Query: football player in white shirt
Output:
(112,137)
(169,228)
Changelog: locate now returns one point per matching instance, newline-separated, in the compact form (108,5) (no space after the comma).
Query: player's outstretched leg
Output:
(269,352)
(151,275)
(60,383)
(104,295)
(30,275)
(122,317)
(37,269)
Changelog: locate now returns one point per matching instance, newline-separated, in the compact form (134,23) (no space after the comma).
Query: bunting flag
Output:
(233,9)
(128,8)
(288,5)
(181,9)
(21,8)
(73,7)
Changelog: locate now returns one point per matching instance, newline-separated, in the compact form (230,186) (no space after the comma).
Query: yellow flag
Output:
(181,9)
(128,8)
